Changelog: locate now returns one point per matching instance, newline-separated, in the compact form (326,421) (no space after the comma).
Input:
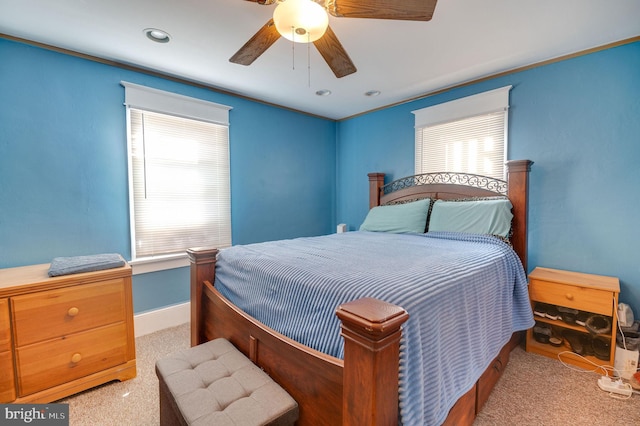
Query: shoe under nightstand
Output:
(593,296)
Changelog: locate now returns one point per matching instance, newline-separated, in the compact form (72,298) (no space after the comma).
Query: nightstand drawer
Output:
(70,358)
(570,296)
(56,313)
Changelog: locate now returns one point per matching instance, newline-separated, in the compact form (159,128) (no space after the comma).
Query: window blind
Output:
(180,184)
(178,172)
(467,135)
(472,145)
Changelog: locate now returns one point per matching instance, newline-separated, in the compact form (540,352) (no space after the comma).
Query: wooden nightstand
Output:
(594,294)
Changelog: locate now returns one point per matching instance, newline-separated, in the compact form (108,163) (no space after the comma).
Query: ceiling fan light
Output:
(301,21)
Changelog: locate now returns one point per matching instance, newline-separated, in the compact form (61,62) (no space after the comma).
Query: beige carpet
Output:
(132,402)
(534,390)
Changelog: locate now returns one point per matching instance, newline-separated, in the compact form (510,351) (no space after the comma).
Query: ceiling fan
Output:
(328,44)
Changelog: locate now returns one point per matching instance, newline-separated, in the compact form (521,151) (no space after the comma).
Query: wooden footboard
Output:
(361,390)
(291,365)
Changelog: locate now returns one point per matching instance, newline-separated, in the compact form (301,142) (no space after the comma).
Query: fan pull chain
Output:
(293,49)
(309,58)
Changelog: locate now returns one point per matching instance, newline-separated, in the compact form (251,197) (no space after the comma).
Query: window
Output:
(178,172)
(467,135)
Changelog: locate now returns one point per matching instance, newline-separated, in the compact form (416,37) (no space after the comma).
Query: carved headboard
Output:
(447,186)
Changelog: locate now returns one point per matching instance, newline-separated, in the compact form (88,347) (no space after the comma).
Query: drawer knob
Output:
(569,296)
(72,312)
(76,358)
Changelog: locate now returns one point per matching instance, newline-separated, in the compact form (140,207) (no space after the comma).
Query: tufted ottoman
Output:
(215,384)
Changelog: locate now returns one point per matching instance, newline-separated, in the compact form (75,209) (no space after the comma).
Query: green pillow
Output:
(477,217)
(398,218)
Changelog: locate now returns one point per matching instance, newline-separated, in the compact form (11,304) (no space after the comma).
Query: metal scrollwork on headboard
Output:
(466,179)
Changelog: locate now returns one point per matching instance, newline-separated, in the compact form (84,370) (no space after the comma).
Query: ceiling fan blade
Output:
(408,10)
(334,54)
(257,45)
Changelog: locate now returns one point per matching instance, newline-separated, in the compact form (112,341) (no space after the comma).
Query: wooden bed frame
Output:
(362,389)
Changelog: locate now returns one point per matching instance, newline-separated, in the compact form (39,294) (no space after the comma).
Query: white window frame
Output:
(158,101)
(460,109)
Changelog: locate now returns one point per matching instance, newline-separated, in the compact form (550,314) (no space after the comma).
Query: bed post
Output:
(376,181)
(518,193)
(371,329)
(203,268)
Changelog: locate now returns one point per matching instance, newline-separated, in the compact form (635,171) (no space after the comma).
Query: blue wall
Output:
(579,121)
(63,166)
(63,178)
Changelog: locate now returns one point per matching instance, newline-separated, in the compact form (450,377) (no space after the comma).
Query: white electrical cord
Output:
(606,369)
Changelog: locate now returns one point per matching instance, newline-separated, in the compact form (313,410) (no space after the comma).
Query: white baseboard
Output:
(152,321)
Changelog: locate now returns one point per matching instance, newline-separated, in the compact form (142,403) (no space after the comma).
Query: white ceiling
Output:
(465,40)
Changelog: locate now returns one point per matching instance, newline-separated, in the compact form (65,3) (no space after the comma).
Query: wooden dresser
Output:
(63,335)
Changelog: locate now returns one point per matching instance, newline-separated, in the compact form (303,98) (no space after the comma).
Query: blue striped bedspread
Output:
(465,294)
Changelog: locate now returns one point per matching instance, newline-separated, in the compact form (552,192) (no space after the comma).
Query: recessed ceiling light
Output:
(157,35)
(323,92)
(372,93)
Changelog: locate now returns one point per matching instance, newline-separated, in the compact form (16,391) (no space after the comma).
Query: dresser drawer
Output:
(582,298)
(7,389)
(5,328)
(47,364)
(56,313)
